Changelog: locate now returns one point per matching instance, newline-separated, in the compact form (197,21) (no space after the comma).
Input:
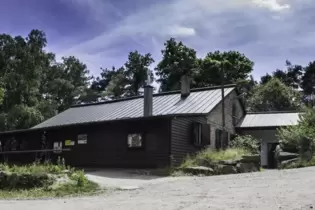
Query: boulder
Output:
(283,156)
(226,169)
(250,159)
(205,163)
(229,162)
(247,167)
(196,170)
(288,162)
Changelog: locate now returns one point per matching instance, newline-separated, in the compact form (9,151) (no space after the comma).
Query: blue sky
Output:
(101,33)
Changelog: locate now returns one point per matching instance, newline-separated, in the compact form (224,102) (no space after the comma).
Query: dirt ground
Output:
(285,190)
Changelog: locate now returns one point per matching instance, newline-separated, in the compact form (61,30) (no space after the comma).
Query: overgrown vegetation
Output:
(43,180)
(213,156)
(246,142)
(300,139)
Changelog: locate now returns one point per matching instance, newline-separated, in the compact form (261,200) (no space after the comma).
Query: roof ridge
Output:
(154,95)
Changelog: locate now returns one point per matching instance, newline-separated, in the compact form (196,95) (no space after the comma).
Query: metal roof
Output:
(200,101)
(272,119)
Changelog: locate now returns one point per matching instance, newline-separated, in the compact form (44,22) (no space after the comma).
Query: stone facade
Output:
(215,117)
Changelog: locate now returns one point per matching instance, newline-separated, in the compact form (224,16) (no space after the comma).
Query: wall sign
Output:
(69,143)
(82,139)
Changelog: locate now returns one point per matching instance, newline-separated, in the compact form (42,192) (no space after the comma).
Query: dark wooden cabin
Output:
(154,130)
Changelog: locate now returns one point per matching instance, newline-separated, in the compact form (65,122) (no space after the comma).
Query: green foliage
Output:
(212,156)
(38,180)
(290,77)
(300,163)
(236,67)
(299,138)
(246,142)
(274,96)
(34,86)
(177,60)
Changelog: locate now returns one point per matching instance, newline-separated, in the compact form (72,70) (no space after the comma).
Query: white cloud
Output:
(265,30)
(180,31)
(273,5)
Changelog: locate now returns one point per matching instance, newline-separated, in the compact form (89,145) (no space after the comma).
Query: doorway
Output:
(272,163)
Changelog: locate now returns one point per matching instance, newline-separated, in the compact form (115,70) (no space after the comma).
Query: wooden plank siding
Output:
(181,135)
(107,144)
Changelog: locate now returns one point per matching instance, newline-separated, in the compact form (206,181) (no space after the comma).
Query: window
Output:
(221,139)
(82,139)
(135,141)
(197,134)
(234,114)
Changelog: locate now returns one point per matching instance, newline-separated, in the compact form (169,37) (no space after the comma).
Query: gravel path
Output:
(287,190)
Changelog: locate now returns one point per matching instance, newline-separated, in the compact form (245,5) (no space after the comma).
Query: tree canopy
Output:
(34,86)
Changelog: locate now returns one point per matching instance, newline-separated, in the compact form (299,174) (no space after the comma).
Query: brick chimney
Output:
(148,101)
(185,86)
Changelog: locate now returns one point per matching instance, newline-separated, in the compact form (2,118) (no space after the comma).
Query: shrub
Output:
(212,156)
(299,138)
(246,142)
(9,180)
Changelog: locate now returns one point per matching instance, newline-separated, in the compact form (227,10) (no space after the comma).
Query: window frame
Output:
(130,147)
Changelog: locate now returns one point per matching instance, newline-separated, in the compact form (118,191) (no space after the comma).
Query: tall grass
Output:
(212,156)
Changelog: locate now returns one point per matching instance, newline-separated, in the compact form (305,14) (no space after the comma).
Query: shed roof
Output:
(200,101)
(269,119)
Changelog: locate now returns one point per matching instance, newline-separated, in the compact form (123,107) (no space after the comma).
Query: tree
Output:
(290,77)
(137,72)
(237,68)
(274,96)
(117,86)
(308,79)
(33,86)
(300,138)
(177,60)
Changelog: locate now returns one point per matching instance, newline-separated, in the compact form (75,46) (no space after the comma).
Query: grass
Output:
(76,183)
(213,156)
(62,191)
(36,168)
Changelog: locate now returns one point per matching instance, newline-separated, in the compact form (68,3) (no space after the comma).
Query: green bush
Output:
(213,156)
(299,138)
(9,180)
(246,142)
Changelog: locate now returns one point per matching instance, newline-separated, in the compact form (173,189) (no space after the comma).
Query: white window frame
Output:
(131,138)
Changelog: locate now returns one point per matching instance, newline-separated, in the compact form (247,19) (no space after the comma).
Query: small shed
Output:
(263,126)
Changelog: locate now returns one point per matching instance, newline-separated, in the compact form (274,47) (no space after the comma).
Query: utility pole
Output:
(223,104)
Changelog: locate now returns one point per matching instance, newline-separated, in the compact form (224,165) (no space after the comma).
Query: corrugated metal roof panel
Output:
(200,101)
(269,119)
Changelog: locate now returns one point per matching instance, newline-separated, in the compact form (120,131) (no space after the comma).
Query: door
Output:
(272,163)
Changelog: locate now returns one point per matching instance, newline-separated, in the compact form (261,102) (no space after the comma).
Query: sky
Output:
(101,33)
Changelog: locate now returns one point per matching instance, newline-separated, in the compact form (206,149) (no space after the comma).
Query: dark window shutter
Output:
(194,132)
(206,135)
(218,139)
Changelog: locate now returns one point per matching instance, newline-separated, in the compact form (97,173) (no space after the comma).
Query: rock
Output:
(229,162)
(288,162)
(226,169)
(198,170)
(203,162)
(247,167)
(283,156)
(250,159)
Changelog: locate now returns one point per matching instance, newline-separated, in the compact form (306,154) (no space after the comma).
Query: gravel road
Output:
(286,190)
